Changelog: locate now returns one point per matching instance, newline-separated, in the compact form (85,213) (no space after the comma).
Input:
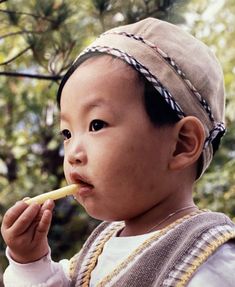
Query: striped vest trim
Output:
(168,260)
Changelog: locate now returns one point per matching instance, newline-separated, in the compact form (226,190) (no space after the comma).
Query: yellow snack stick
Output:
(54,194)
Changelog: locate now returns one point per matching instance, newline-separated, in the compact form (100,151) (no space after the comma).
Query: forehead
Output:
(101,77)
(113,65)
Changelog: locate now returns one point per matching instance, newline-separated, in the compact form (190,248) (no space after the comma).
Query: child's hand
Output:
(25,228)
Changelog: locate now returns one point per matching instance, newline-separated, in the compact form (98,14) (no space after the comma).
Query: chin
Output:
(102,215)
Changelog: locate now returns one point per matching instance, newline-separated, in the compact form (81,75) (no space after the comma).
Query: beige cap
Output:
(183,69)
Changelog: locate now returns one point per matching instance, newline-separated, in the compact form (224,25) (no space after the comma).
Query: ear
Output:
(189,140)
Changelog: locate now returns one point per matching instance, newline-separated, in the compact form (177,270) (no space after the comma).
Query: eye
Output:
(97,125)
(65,134)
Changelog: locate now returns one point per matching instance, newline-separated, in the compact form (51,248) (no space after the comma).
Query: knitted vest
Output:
(167,260)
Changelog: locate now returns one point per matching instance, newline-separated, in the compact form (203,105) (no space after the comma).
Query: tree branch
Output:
(26,14)
(34,76)
(20,33)
(15,57)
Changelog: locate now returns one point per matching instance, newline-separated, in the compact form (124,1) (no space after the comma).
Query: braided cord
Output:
(90,265)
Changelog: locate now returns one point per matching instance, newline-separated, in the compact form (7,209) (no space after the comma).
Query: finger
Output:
(13,213)
(43,225)
(47,205)
(25,220)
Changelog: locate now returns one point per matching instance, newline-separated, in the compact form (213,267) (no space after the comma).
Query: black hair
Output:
(156,107)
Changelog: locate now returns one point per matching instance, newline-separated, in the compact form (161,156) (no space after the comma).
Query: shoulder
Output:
(218,270)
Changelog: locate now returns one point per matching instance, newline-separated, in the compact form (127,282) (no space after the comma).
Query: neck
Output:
(159,216)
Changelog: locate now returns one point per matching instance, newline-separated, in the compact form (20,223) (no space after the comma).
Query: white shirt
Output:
(217,271)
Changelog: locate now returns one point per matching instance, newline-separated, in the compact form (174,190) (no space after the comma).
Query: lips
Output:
(81,180)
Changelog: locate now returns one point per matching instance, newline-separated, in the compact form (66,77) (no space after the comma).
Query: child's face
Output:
(111,143)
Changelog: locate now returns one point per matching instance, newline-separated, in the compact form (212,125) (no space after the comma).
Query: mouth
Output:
(80,180)
(83,183)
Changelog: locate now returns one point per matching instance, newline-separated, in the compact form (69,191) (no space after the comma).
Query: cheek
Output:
(123,166)
(66,169)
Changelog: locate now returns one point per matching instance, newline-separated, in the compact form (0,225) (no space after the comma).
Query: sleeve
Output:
(42,273)
(218,270)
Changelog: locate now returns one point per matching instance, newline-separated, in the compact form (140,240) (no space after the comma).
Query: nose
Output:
(76,154)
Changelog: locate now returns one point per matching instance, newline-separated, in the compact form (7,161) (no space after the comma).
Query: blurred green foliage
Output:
(38,42)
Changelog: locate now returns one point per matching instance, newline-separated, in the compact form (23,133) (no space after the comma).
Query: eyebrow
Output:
(92,103)
(89,105)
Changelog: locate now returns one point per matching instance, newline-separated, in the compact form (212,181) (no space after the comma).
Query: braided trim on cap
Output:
(173,64)
(219,129)
(143,70)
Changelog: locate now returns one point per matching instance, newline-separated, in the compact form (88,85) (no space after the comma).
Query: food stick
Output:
(54,194)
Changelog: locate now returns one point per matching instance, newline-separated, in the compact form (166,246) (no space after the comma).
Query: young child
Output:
(142,113)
